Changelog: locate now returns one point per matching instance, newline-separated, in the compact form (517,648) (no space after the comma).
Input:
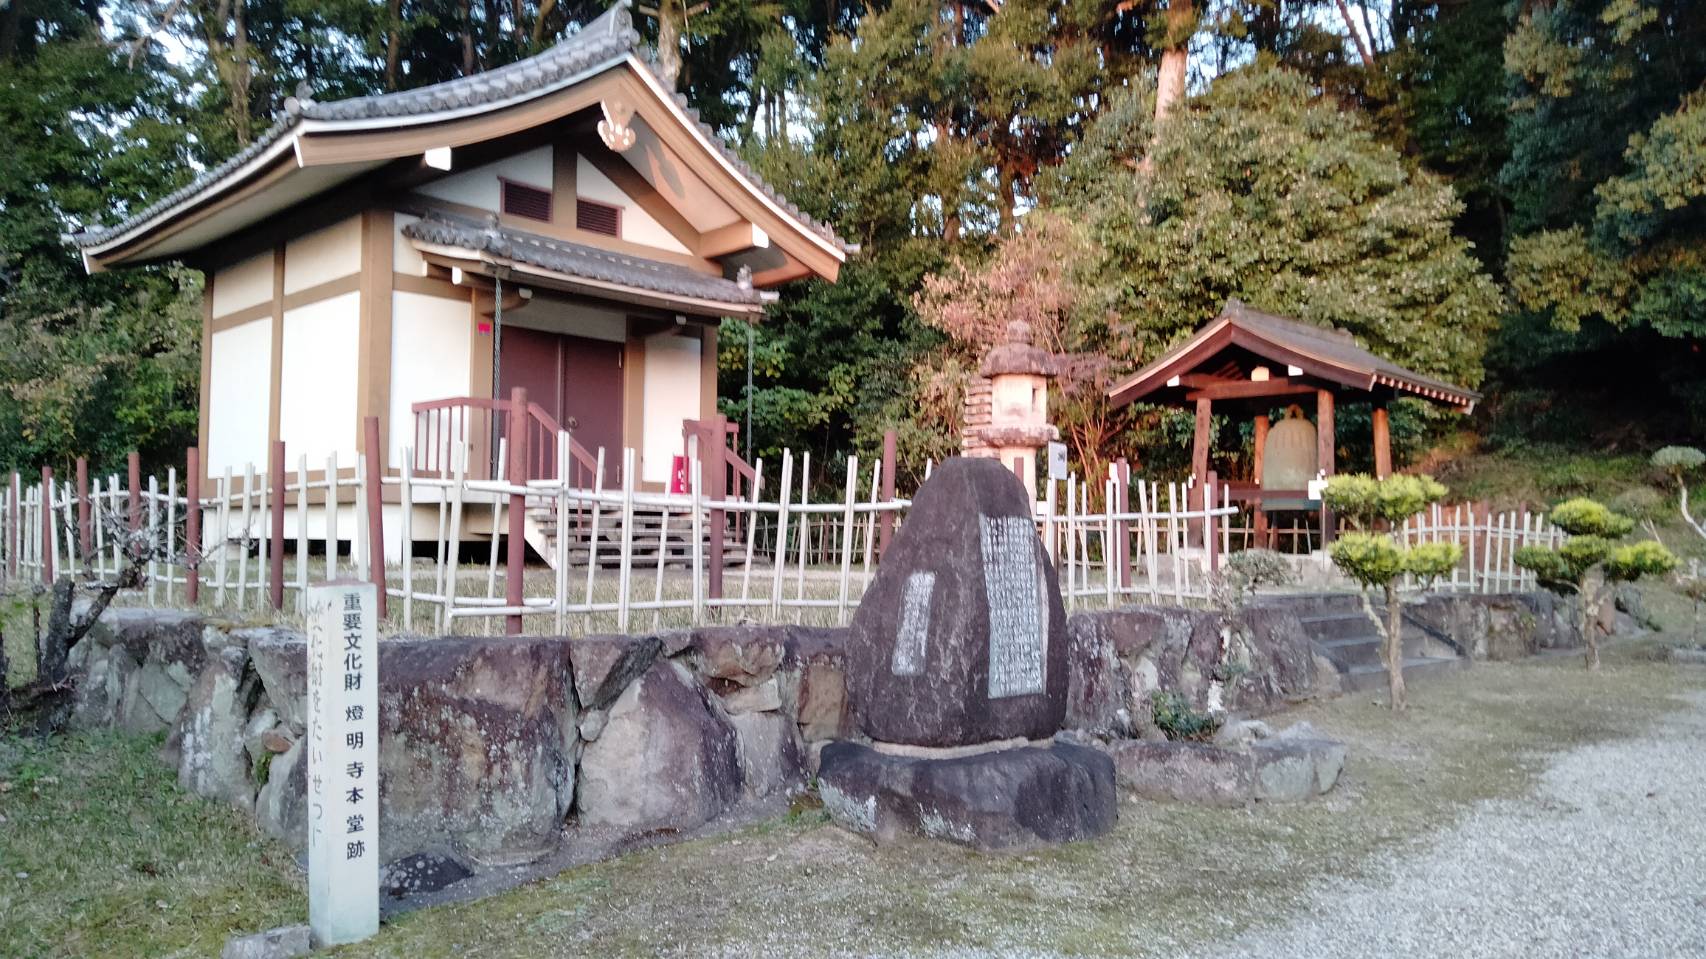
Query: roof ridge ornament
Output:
(615,129)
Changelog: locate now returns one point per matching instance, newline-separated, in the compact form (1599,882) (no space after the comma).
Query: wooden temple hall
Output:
(1248,363)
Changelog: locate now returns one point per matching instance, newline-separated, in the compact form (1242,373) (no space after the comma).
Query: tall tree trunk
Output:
(465,8)
(1588,603)
(1356,36)
(1395,647)
(1175,59)
(669,41)
(393,43)
(516,30)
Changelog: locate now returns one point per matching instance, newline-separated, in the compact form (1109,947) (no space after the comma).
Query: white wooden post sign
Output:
(1057,461)
(343,762)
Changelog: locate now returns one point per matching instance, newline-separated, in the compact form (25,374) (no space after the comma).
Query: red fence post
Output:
(885,519)
(275,570)
(192,526)
(134,462)
(516,567)
(375,510)
(84,540)
(47,525)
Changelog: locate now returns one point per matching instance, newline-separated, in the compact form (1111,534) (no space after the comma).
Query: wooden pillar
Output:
(192,525)
(1325,443)
(516,546)
(1382,443)
(134,466)
(275,553)
(15,531)
(885,519)
(376,511)
(85,542)
(1258,516)
(1199,459)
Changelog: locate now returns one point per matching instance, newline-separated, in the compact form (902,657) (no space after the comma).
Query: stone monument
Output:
(956,668)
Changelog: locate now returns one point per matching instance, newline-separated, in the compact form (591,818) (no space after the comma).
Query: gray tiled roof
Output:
(575,259)
(608,38)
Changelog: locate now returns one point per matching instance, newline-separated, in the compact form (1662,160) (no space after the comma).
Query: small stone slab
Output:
(1001,799)
(961,638)
(285,942)
(1278,769)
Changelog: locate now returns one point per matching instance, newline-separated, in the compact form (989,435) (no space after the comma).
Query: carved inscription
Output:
(914,635)
(1018,626)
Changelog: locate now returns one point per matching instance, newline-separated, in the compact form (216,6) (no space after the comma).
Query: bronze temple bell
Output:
(1290,460)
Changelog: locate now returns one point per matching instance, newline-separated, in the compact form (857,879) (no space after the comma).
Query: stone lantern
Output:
(1018,373)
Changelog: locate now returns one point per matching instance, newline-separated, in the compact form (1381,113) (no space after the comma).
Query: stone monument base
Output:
(1000,799)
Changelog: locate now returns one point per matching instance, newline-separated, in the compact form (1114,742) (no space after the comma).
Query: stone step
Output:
(1364,678)
(1351,652)
(1326,626)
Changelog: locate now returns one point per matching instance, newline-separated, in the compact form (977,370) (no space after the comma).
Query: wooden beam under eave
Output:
(1250,389)
(792,270)
(734,238)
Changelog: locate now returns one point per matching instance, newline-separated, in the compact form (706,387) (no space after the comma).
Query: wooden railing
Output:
(465,422)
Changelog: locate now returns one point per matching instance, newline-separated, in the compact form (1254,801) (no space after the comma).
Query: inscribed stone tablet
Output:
(913,637)
(1017,622)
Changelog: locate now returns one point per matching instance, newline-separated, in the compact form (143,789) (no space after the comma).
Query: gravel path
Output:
(1607,858)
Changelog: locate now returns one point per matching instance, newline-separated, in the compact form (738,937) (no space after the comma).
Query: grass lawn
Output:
(119,863)
(101,855)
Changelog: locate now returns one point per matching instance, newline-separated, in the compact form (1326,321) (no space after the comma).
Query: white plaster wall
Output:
(683,188)
(478,187)
(317,392)
(323,256)
(671,395)
(429,358)
(242,284)
(545,312)
(239,397)
(404,257)
(638,226)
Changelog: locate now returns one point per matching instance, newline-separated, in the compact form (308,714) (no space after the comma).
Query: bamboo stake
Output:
(847,539)
(332,515)
(223,535)
(592,539)
(406,531)
(447,570)
(781,550)
(301,531)
(153,538)
(1071,542)
(171,527)
(694,474)
(751,530)
(627,538)
(805,535)
(561,588)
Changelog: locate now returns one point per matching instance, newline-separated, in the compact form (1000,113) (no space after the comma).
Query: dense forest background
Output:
(1511,195)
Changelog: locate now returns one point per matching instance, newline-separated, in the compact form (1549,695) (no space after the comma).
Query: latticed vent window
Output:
(595,217)
(528,201)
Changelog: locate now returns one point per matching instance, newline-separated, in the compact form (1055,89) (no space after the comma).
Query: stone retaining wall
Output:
(498,751)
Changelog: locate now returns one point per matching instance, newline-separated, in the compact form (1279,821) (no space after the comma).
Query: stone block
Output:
(285,942)
(999,799)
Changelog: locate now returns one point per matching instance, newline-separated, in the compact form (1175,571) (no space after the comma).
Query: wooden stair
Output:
(650,538)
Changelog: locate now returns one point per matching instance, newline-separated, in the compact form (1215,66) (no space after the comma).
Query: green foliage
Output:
(1365,499)
(1640,503)
(1263,189)
(1646,558)
(1585,517)
(1548,567)
(1583,552)
(1430,561)
(1178,720)
(1372,559)
(1607,132)
(1677,460)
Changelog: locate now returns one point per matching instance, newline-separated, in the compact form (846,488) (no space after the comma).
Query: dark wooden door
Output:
(591,396)
(576,380)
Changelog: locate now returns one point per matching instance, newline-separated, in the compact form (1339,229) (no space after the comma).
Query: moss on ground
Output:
(101,855)
(97,824)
